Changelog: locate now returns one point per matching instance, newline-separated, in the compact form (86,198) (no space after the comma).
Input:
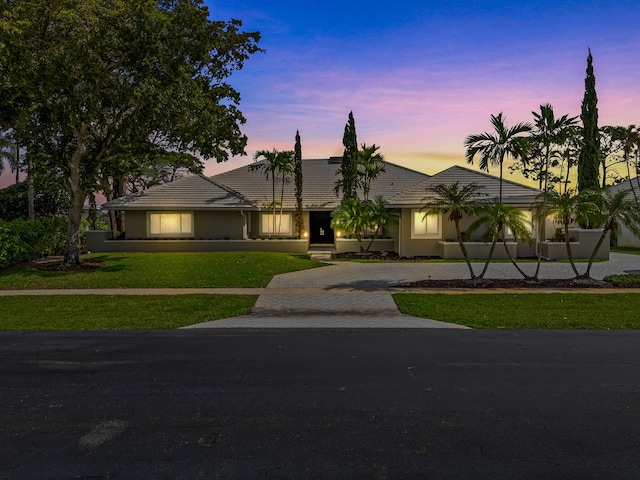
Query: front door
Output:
(320,226)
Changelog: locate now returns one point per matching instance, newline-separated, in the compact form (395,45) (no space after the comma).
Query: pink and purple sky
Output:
(422,75)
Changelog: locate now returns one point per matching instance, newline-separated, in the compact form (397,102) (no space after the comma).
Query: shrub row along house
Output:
(234,211)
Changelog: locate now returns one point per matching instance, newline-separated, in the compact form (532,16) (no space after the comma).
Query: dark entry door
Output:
(320,226)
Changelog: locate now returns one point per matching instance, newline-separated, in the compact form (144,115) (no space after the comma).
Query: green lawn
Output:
(119,312)
(535,310)
(164,270)
(632,250)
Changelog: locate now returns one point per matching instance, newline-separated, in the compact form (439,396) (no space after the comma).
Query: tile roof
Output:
(244,189)
(512,192)
(196,192)
(627,185)
(318,184)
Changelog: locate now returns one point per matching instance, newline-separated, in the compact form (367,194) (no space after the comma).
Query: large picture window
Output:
(425,226)
(170,224)
(281,226)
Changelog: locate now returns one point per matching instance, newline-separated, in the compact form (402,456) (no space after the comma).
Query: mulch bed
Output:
(509,284)
(475,284)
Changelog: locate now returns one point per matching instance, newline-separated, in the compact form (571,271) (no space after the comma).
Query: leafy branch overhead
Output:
(86,83)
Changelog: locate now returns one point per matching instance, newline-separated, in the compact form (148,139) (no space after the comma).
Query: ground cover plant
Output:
(161,270)
(524,310)
(117,312)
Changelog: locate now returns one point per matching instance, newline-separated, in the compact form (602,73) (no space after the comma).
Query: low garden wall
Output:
(101,241)
(343,245)
(476,250)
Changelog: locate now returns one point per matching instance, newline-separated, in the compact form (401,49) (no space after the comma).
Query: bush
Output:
(21,241)
(630,280)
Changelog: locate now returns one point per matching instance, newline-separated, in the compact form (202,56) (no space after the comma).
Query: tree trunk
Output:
(30,192)
(17,163)
(463,248)
(77,194)
(506,248)
(569,252)
(489,257)
(587,274)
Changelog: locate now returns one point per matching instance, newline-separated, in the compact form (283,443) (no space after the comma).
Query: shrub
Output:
(21,241)
(630,280)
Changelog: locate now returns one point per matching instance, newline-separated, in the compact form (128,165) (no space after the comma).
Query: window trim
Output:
(190,234)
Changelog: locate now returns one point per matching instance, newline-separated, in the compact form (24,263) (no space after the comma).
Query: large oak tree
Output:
(90,83)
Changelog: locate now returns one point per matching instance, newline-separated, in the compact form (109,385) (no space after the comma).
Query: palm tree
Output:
(494,147)
(566,209)
(286,168)
(457,202)
(273,163)
(496,218)
(353,217)
(549,131)
(629,137)
(569,155)
(379,217)
(611,209)
(370,166)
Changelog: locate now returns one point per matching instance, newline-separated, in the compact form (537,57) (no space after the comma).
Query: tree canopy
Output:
(589,159)
(87,84)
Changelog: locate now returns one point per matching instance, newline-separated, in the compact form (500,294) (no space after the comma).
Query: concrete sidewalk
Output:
(357,295)
(354,295)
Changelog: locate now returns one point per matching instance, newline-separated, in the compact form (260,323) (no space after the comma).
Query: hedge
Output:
(22,241)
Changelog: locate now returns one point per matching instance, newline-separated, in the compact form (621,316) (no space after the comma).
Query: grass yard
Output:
(535,310)
(632,250)
(164,270)
(119,312)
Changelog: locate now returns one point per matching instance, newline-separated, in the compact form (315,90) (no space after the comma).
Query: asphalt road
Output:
(381,404)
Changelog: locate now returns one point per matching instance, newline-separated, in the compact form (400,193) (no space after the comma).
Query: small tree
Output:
(566,209)
(273,164)
(353,217)
(348,171)
(589,160)
(298,218)
(370,166)
(610,209)
(629,138)
(457,202)
(494,147)
(495,218)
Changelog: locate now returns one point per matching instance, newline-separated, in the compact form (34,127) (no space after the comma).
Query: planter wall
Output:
(343,245)
(100,241)
(476,250)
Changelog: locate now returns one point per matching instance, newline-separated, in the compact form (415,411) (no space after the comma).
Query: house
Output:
(232,211)
(626,238)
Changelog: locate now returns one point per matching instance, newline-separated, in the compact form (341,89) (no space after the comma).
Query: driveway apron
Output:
(356,295)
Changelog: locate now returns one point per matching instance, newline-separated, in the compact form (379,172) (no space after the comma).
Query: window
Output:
(528,221)
(426,226)
(170,224)
(282,224)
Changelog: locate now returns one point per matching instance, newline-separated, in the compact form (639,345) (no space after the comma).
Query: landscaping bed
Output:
(512,284)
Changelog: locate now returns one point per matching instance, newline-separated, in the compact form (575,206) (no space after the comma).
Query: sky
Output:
(420,76)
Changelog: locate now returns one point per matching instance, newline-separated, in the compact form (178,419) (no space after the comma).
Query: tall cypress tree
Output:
(297,171)
(349,165)
(589,159)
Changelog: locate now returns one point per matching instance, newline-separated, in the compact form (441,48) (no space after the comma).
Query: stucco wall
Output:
(100,241)
(626,238)
(216,225)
